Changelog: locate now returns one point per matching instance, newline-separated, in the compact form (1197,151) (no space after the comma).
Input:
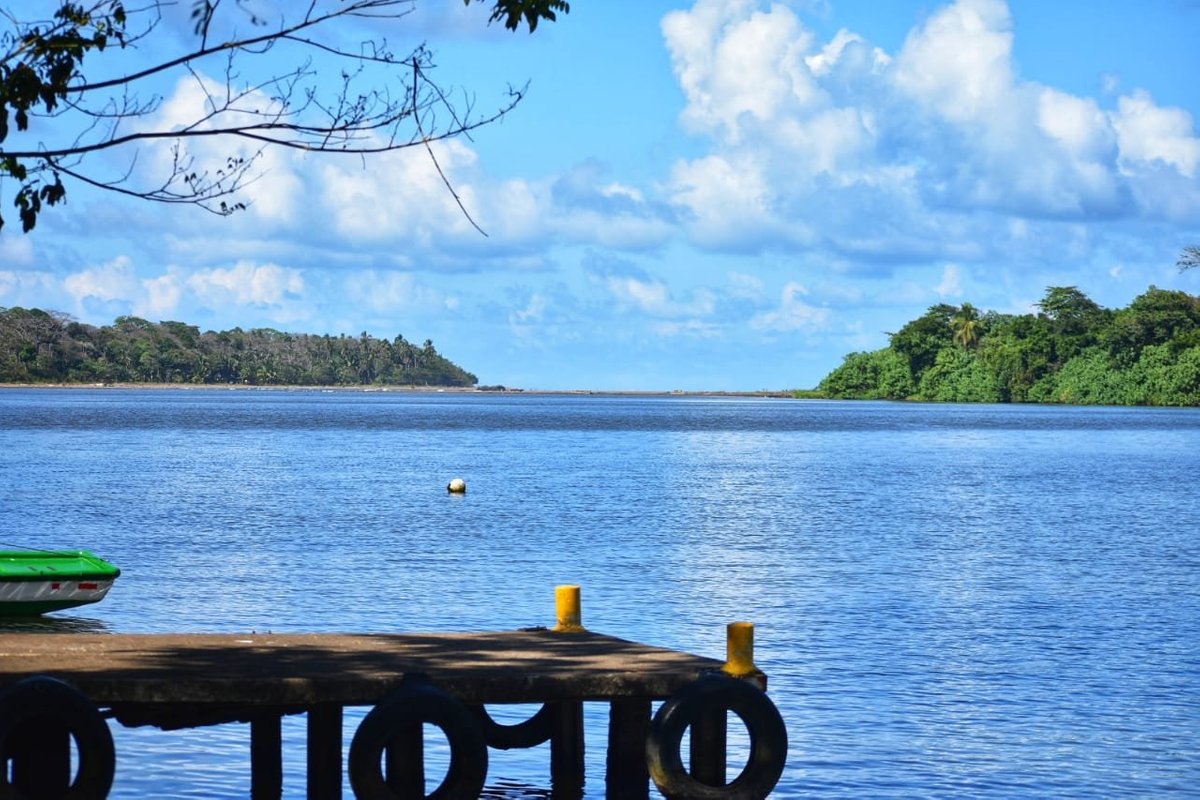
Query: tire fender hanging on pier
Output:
(418,701)
(530,733)
(768,740)
(42,697)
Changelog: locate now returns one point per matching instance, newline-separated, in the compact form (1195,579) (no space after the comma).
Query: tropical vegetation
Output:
(1070,351)
(39,346)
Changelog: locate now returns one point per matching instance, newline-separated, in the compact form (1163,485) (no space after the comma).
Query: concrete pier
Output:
(175,681)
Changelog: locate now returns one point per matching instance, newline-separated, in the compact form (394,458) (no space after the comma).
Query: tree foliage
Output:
(531,11)
(303,81)
(48,347)
(966,326)
(1071,351)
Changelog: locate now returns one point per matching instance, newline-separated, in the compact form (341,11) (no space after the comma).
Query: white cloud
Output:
(273,187)
(161,295)
(1076,123)
(654,298)
(116,285)
(959,63)
(247,283)
(401,196)
(729,200)
(1148,134)
(527,323)
(793,314)
(951,283)
(115,280)
(533,312)
(838,144)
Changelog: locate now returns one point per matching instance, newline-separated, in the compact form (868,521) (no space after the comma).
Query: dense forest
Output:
(1070,351)
(48,347)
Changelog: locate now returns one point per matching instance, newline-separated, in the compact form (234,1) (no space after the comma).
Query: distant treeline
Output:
(48,347)
(1071,351)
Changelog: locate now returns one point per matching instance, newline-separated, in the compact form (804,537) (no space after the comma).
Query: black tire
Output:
(419,702)
(768,740)
(42,696)
(530,733)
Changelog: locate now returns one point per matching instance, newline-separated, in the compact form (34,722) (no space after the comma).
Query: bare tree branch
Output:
(1189,258)
(59,116)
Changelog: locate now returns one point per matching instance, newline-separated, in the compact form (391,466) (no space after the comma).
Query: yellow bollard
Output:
(566,601)
(739,650)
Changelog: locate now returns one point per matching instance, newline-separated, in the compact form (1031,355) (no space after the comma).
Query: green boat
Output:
(36,581)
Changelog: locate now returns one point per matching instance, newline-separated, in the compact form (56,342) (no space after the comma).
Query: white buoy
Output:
(457,486)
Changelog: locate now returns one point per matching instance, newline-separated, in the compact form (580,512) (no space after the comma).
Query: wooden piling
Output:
(324,752)
(266,756)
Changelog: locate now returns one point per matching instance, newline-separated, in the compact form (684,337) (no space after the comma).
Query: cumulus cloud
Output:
(655,298)
(792,314)
(273,188)
(1148,134)
(115,287)
(634,289)
(959,64)
(115,280)
(161,295)
(838,144)
(247,283)
(400,196)
(738,64)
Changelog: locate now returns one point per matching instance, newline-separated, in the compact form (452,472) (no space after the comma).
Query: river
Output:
(950,601)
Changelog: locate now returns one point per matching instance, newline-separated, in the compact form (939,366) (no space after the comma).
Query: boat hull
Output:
(36,582)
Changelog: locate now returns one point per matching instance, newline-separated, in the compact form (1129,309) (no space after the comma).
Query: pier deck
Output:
(347,669)
(187,680)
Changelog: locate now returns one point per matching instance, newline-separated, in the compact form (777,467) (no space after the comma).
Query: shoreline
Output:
(764,393)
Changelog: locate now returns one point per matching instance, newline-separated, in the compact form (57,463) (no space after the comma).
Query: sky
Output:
(720,195)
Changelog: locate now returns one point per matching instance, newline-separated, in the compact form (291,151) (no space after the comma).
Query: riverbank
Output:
(402,389)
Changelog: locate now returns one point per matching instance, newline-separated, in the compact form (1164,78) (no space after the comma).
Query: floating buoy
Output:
(457,486)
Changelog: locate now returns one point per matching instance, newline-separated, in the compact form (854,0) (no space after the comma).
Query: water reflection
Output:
(513,790)
(44,624)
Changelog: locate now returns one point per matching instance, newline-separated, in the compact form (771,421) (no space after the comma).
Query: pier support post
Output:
(325,752)
(266,756)
(566,750)
(404,760)
(708,745)
(626,775)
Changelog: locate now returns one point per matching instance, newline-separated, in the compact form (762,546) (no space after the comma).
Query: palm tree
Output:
(966,326)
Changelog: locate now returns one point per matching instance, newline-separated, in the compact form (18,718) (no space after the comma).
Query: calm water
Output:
(951,601)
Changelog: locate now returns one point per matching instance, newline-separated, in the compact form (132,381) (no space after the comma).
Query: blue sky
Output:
(711,195)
